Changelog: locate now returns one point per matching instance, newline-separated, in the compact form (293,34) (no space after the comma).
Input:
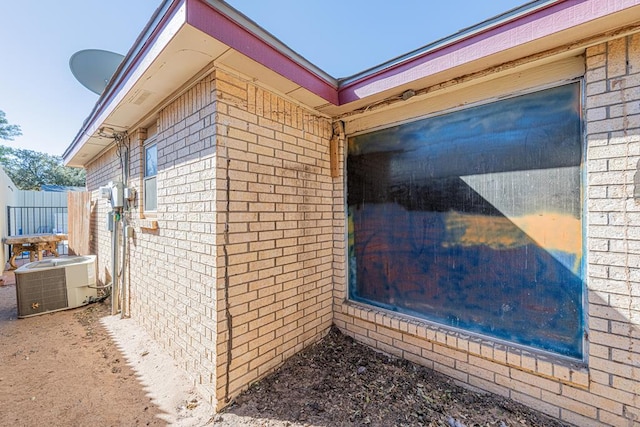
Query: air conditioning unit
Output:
(55,284)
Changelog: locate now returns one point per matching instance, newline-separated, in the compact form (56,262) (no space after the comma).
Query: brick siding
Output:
(605,389)
(251,230)
(269,250)
(274,196)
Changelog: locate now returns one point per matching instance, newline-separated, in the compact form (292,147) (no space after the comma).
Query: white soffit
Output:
(181,51)
(258,73)
(122,89)
(188,53)
(179,54)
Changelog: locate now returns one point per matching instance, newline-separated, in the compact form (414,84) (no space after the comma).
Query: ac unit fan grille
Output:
(41,291)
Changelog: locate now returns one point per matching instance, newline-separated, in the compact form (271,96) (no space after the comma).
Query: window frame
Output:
(151,142)
(392,309)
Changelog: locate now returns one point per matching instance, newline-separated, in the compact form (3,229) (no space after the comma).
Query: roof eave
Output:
(533,23)
(151,32)
(226,38)
(231,38)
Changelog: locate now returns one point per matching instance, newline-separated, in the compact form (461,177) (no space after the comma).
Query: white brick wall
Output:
(171,269)
(613,89)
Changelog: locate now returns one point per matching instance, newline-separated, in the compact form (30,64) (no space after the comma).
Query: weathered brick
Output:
(280,249)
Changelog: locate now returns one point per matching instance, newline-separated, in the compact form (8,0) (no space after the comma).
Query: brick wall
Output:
(605,389)
(613,236)
(99,173)
(251,233)
(172,290)
(245,221)
(274,196)
(171,268)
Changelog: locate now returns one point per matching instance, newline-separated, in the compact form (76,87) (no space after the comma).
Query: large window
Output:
(150,172)
(473,219)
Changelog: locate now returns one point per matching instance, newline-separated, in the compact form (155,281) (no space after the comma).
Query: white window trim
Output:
(143,209)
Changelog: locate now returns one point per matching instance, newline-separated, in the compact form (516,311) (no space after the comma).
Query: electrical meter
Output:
(117,194)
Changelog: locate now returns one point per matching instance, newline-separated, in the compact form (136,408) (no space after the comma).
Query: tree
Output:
(30,169)
(7,131)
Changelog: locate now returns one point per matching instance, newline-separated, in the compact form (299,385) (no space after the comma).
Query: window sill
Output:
(479,348)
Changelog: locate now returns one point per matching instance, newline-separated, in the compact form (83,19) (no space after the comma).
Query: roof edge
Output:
(229,26)
(526,24)
(148,34)
(254,28)
(465,33)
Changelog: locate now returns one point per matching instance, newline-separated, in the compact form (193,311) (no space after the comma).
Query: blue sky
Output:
(39,93)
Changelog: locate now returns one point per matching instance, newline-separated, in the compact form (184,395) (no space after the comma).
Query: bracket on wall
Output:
(636,183)
(334,147)
(148,224)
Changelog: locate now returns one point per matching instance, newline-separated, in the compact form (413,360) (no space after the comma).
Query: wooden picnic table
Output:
(35,244)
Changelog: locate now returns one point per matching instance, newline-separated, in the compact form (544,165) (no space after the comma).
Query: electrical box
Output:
(110,220)
(105,193)
(117,194)
(114,193)
(130,194)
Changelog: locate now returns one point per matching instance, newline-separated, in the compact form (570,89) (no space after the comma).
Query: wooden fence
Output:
(79,212)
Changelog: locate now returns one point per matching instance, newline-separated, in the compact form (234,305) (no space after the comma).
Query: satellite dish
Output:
(93,68)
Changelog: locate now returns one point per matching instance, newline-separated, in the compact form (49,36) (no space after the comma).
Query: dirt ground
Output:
(340,382)
(63,369)
(83,367)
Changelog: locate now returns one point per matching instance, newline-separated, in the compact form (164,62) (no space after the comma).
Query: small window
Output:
(150,172)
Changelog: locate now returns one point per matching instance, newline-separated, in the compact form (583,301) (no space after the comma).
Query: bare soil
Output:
(339,382)
(64,369)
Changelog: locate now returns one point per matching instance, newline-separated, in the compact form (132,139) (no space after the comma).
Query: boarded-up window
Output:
(473,219)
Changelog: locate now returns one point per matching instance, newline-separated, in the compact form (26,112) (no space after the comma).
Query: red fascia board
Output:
(212,22)
(520,30)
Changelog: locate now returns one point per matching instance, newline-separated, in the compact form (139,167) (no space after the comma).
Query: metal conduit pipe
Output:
(124,309)
(115,291)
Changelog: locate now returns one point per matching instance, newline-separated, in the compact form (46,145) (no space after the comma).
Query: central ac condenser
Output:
(55,284)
